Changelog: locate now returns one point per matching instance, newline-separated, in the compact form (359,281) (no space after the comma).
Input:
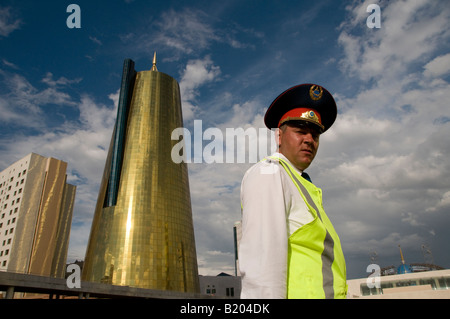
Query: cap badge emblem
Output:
(315,92)
(311,116)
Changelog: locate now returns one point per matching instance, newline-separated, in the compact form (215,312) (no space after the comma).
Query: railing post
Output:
(10,293)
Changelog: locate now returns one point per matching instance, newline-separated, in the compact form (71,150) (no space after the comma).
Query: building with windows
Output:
(411,285)
(222,285)
(36,206)
(406,281)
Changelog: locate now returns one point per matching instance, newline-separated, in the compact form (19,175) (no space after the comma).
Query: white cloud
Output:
(392,240)
(410,31)
(215,205)
(62,81)
(383,164)
(196,74)
(444,202)
(95,40)
(191,30)
(184,31)
(82,142)
(438,67)
(188,32)
(212,263)
(8,23)
(9,115)
(10,64)
(23,103)
(411,218)
(215,193)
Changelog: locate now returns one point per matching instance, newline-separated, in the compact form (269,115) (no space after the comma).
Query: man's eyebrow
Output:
(304,129)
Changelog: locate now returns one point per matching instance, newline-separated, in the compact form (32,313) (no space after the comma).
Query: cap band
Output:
(302,114)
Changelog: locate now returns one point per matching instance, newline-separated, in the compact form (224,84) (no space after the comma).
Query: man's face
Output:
(299,144)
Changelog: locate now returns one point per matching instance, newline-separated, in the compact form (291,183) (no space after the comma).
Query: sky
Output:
(383,167)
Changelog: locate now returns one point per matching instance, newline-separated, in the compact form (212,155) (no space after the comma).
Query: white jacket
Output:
(272,210)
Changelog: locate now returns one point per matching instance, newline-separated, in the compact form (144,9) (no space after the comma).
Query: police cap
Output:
(305,102)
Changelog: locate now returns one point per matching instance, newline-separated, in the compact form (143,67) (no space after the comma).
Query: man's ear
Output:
(278,135)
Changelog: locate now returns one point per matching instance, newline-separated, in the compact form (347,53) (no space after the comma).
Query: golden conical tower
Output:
(142,233)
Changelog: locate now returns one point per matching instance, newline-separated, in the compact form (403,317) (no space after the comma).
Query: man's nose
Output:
(309,138)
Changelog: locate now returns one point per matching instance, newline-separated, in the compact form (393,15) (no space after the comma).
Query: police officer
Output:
(289,248)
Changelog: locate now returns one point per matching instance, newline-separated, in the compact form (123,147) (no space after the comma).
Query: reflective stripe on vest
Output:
(331,246)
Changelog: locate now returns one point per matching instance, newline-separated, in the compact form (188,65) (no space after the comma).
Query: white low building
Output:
(416,285)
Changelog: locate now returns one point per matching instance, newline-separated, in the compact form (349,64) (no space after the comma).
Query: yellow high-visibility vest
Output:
(316,264)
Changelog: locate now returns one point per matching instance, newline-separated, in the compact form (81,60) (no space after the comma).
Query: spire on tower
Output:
(154,62)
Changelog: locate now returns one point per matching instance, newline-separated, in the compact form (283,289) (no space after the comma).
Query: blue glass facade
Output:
(126,92)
